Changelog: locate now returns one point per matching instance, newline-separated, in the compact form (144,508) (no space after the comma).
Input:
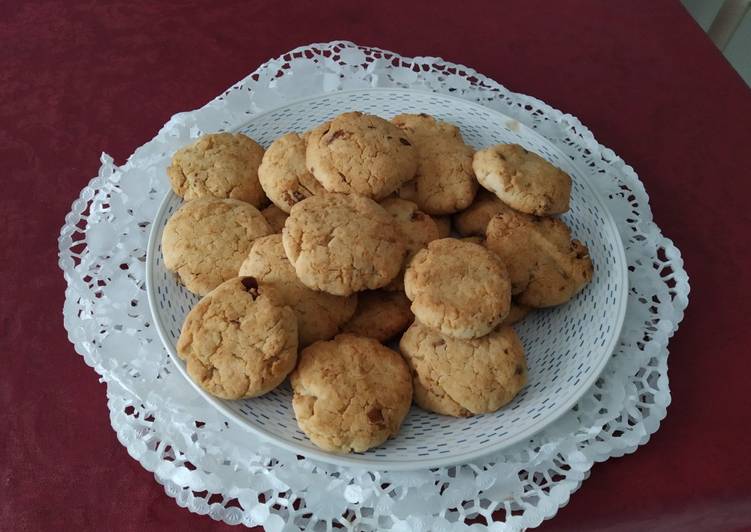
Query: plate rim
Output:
(356,461)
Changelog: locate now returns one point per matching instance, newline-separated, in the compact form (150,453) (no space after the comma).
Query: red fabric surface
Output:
(78,78)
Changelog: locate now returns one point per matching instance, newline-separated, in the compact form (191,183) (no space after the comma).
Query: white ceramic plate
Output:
(566,347)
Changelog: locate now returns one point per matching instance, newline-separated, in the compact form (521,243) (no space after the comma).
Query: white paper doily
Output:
(207,464)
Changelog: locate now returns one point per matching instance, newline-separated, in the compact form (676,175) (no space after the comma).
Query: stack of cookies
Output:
(312,255)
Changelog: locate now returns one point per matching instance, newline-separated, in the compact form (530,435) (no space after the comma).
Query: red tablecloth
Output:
(79,78)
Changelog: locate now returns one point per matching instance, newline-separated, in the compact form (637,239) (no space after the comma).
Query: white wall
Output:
(738,51)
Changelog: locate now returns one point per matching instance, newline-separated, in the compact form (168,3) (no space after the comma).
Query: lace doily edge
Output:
(679,304)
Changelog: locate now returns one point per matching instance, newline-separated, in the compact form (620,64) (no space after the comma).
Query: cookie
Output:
(343,243)
(546,266)
(350,393)
(417,227)
(464,377)
(380,315)
(218,165)
(516,314)
(361,154)
(473,220)
(445,182)
(458,288)
(240,340)
(207,239)
(283,174)
(275,217)
(319,315)
(523,180)
(444,226)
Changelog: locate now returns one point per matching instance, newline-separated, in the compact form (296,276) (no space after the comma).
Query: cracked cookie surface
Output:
(380,315)
(240,340)
(218,165)
(464,377)
(444,182)
(350,393)
(459,288)
(343,243)
(523,180)
(319,315)
(283,173)
(546,266)
(361,154)
(206,240)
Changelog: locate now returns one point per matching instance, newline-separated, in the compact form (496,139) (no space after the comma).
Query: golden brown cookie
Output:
(218,165)
(240,340)
(417,227)
(343,243)
(408,192)
(361,154)
(516,314)
(283,174)
(206,240)
(319,315)
(523,180)
(473,220)
(545,265)
(464,377)
(380,315)
(458,288)
(445,182)
(350,393)
(275,217)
